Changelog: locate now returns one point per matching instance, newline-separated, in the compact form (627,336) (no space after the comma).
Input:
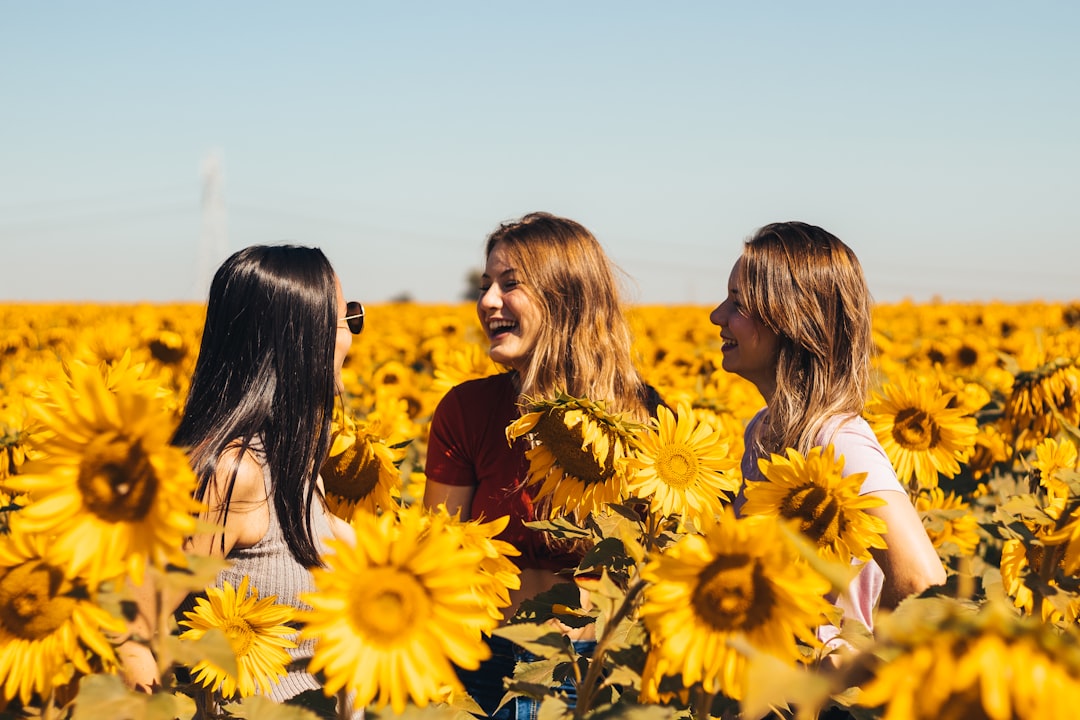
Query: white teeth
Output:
(497,325)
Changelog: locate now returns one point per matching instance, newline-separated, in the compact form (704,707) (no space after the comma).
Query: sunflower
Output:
(1051,460)
(579,453)
(741,578)
(454,365)
(680,466)
(108,484)
(258,631)
(991,448)
(1018,560)
(948,519)
(826,504)
(47,619)
(1039,397)
(13,436)
(922,431)
(396,612)
(495,564)
(361,470)
(956,664)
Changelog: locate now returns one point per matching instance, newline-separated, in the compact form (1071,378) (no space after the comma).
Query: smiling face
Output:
(750,348)
(508,314)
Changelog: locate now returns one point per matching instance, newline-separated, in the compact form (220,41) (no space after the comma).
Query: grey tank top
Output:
(272,570)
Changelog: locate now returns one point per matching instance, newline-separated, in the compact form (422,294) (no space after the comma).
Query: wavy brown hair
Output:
(584,347)
(807,286)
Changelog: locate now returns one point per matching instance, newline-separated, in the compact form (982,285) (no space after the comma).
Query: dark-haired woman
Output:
(257,428)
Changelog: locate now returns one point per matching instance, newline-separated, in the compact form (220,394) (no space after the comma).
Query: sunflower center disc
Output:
(817,511)
(240,634)
(732,594)
(565,443)
(677,466)
(353,474)
(30,605)
(116,479)
(392,606)
(915,430)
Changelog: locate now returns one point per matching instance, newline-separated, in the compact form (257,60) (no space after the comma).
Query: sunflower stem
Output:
(588,689)
(50,706)
(344,707)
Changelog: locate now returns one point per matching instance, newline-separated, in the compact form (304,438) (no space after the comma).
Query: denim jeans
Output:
(485,684)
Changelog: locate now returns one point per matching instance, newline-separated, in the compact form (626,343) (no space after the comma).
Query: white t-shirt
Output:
(851,437)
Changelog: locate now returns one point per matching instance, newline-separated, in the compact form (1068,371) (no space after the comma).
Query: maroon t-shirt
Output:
(467,446)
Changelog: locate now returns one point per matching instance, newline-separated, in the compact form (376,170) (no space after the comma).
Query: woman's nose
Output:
(490,298)
(716,314)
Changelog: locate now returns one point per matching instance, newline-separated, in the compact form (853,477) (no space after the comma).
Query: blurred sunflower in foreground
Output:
(743,577)
(50,624)
(826,505)
(105,483)
(394,613)
(258,631)
(922,430)
(579,453)
(944,661)
(680,466)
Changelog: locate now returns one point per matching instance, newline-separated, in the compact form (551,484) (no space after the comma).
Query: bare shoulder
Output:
(244,472)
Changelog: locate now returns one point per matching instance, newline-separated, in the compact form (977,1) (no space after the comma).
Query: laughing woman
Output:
(796,323)
(550,307)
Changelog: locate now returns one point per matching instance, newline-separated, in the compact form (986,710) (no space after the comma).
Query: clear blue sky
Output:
(941,140)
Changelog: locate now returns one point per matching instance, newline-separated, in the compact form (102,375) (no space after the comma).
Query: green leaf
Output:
(609,554)
(773,684)
(537,673)
(559,527)
(539,608)
(213,647)
(635,712)
(104,696)
(258,707)
(838,574)
(539,639)
(201,572)
(163,706)
(553,708)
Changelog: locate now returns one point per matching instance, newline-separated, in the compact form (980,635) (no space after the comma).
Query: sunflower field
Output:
(698,613)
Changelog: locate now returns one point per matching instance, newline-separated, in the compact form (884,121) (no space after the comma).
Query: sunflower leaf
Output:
(541,608)
(200,573)
(542,640)
(102,696)
(559,527)
(213,647)
(257,707)
(552,708)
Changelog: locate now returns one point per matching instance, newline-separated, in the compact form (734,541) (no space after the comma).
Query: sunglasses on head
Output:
(354,317)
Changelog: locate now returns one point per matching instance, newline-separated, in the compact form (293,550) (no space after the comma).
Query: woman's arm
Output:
(245,523)
(457,498)
(910,562)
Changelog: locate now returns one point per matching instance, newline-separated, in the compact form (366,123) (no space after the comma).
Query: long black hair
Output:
(265,374)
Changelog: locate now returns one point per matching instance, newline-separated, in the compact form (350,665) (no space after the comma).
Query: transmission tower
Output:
(214,236)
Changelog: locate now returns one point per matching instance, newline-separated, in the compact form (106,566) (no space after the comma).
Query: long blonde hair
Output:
(584,346)
(808,287)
